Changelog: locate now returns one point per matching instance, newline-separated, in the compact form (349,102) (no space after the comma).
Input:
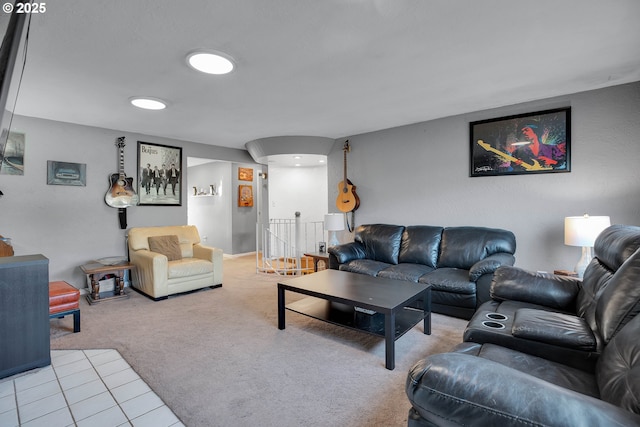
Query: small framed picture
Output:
(245,174)
(245,196)
(322,247)
(66,173)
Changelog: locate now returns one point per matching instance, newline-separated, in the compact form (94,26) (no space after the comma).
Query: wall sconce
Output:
(583,231)
(333,222)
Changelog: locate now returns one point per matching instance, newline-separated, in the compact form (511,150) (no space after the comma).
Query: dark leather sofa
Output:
(458,262)
(568,353)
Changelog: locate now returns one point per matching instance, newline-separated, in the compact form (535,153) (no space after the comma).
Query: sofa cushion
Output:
(409,272)
(610,295)
(462,247)
(453,280)
(559,329)
(618,368)
(553,372)
(168,246)
(420,245)
(364,266)
(381,241)
(188,267)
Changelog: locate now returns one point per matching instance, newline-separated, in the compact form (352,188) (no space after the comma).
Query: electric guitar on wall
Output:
(347,200)
(121,193)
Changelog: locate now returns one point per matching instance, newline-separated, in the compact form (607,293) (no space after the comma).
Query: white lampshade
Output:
(334,222)
(583,230)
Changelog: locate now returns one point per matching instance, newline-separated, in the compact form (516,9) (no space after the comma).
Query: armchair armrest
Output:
(461,389)
(151,272)
(210,254)
(341,254)
(549,290)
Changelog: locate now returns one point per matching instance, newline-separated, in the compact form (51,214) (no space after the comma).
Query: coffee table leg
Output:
(389,338)
(426,306)
(280,308)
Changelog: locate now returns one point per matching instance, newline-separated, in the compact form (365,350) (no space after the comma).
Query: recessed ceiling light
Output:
(210,62)
(148,103)
(297,157)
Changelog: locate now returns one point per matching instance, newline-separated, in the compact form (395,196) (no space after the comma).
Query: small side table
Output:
(318,256)
(96,268)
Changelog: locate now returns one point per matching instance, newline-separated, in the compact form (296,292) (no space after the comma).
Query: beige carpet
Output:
(217,358)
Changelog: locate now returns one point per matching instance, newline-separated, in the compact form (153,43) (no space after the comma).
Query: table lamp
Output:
(582,231)
(333,222)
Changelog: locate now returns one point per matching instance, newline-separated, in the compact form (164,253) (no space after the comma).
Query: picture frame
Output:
(245,174)
(521,144)
(245,196)
(66,173)
(159,175)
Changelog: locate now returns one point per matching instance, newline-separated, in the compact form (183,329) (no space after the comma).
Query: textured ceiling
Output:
(327,68)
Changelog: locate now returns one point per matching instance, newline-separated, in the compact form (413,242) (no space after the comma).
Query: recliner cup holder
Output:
(492,324)
(496,316)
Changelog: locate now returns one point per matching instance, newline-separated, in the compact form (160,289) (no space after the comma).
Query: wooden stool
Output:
(64,299)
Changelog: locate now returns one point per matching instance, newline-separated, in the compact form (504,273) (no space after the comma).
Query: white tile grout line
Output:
(93,365)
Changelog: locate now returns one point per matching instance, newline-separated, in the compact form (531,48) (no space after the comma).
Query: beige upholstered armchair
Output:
(171,260)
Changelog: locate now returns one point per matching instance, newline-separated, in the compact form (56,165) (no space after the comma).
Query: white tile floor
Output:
(82,388)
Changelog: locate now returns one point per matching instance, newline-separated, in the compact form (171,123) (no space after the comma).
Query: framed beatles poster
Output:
(523,144)
(159,174)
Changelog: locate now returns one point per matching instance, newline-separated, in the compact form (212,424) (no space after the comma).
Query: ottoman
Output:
(64,300)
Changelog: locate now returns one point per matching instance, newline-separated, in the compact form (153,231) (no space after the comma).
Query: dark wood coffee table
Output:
(342,298)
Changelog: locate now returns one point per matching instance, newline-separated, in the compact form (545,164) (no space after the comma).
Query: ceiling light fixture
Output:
(210,62)
(148,103)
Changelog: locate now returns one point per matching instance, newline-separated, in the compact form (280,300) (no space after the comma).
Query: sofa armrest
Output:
(490,264)
(215,255)
(549,290)
(342,254)
(461,389)
(151,272)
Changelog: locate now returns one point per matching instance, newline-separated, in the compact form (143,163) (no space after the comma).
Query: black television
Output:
(14,29)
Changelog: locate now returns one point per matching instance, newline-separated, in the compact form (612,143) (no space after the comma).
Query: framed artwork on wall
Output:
(522,144)
(245,174)
(245,196)
(159,174)
(66,173)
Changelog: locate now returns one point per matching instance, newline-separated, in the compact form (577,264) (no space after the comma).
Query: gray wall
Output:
(73,225)
(419,174)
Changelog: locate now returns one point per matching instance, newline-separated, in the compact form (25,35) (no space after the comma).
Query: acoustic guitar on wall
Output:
(121,193)
(347,200)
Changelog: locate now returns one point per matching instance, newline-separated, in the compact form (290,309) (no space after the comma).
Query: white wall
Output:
(301,189)
(419,174)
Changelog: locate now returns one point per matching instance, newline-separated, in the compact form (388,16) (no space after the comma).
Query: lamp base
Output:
(333,240)
(584,261)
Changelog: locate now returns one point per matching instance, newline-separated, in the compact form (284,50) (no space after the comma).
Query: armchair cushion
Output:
(168,246)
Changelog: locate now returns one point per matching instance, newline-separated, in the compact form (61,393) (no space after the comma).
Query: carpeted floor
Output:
(217,358)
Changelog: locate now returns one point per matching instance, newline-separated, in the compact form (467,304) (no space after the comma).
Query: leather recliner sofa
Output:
(570,357)
(561,318)
(171,260)
(458,262)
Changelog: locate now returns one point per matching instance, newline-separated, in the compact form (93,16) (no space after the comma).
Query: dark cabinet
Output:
(24,314)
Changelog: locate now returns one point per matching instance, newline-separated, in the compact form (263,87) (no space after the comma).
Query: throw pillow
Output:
(166,245)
